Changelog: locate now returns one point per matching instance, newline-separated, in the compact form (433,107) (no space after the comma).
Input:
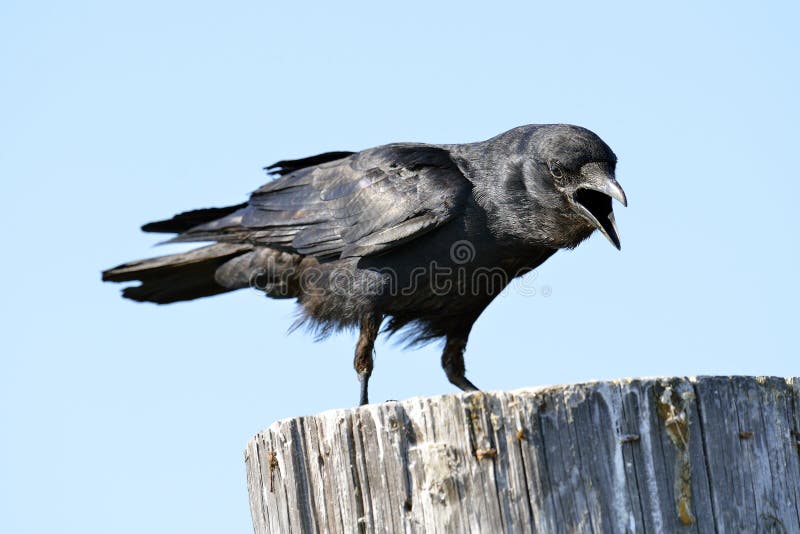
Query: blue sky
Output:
(123,417)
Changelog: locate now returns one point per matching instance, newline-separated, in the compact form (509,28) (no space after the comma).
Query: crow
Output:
(420,236)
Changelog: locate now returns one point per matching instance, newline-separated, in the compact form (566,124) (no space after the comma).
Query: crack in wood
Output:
(672,406)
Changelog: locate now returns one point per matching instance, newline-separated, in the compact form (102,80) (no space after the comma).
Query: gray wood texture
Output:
(705,454)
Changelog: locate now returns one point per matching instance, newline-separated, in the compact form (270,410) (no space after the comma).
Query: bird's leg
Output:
(370,324)
(453,362)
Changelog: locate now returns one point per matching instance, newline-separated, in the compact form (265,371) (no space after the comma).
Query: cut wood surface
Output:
(705,454)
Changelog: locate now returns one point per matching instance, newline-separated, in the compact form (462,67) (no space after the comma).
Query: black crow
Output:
(424,236)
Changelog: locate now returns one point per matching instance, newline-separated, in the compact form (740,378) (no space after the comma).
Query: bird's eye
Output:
(555,170)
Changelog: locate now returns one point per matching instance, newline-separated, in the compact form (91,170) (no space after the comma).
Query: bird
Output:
(405,237)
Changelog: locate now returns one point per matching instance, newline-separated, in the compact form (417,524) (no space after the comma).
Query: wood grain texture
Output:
(706,454)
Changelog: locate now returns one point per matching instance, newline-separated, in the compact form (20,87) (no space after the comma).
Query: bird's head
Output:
(570,177)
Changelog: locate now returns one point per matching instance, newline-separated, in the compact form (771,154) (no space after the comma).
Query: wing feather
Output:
(360,205)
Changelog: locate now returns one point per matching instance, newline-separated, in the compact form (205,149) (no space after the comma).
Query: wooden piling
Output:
(705,454)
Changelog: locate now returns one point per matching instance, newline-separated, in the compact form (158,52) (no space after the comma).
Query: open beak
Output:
(592,199)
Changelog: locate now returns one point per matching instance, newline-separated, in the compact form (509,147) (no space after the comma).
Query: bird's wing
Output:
(361,205)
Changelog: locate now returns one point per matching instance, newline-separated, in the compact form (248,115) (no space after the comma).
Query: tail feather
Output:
(176,277)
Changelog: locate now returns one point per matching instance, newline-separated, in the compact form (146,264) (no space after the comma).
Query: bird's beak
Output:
(592,199)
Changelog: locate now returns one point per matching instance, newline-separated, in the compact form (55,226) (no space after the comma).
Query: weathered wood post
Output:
(707,454)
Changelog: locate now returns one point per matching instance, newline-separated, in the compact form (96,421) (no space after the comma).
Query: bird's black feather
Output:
(189,219)
(287,166)
(358,206)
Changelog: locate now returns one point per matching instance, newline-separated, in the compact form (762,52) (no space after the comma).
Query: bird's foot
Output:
(363,378)
(464,384)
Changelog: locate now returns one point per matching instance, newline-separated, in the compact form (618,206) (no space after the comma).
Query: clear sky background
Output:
(130,418)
